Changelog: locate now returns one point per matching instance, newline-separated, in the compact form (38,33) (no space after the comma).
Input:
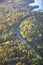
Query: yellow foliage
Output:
(8,42)
(40,46)
(9,19)
(10,33)
(4,36)
(39,35)
(39,57)
(1,47)
(29,39)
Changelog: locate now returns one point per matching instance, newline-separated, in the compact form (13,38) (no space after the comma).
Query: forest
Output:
(21,33)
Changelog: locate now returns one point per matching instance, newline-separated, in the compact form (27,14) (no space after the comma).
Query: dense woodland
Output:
(21,34)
